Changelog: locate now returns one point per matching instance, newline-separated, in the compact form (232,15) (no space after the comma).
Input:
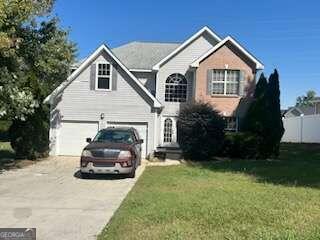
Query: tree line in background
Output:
(35,57)
(306,100)
(201,129)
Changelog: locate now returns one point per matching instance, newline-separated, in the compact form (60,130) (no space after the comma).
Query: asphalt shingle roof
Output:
(306,110)
(143,55)
(140,55)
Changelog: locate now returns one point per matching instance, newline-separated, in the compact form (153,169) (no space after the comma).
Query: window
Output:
(225,82)
(176,88)
(231,123)
(114,136)
(167,131)
(103,81)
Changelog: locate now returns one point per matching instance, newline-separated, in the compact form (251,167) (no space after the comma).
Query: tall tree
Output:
(306,100)
(261,87)
(256,116)
(35,56)
(263,118)
(274,124)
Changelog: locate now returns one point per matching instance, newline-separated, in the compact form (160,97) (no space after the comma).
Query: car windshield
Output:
(116,136)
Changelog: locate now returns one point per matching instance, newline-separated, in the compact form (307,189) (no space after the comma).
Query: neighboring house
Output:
(312,109)
(144,85)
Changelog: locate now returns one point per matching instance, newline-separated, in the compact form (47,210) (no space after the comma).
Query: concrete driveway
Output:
(51,197)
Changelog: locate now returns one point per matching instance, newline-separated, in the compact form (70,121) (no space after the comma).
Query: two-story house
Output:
(144,85)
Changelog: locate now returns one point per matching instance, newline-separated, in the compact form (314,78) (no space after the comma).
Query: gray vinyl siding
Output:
(125,104)
(180,64)
(148,79)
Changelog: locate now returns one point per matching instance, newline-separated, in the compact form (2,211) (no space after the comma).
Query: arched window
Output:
(176,88)
(167,131)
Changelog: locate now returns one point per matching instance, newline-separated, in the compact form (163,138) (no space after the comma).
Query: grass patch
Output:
(272,199)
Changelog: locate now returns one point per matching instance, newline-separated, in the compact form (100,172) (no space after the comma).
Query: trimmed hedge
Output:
(240,145)
(200,131)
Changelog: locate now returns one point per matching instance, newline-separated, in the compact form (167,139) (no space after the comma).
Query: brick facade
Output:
(225,57)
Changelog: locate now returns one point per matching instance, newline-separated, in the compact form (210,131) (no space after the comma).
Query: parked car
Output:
(112,151)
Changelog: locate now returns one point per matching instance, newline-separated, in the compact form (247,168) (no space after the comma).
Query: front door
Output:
(169,131)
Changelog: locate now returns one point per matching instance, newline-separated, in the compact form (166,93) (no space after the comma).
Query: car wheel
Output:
(132,174)
(85,175)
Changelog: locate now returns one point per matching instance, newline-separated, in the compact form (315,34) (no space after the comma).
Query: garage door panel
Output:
(142,129)
(72,136)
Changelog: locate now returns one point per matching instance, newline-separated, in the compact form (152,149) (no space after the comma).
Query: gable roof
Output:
(301,110)
(86,62)
(143,55)
(196,63)
(156,67)
(140,56)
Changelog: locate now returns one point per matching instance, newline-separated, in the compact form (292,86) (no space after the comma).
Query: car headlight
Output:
(124,154)
(86,153)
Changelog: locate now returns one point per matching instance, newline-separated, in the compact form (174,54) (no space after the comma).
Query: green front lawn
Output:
(240,199)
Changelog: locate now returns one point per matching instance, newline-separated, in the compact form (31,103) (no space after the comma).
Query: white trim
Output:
(140,70)
(174,142)
(187,42)
(225,82)
(196,63)
(103,47)
(106,76)
(155,144)
(175,84)
(294,108)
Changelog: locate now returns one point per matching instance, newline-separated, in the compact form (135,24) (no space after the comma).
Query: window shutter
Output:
(92,76)
(114,76)
(189,76)
(209,81)
(242,92)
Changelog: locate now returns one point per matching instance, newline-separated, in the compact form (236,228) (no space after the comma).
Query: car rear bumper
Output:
(116,169)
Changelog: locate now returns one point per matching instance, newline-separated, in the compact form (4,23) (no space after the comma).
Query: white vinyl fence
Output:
(303,129)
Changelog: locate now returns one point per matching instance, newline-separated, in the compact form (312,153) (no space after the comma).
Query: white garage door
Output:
(72,136)
(142,129)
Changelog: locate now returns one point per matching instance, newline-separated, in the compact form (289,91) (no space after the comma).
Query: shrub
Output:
(4,127)
(200,131)
(240,145)
(30,138)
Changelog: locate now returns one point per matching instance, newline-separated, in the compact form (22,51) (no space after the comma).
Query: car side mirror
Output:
(140,141)
(89,140)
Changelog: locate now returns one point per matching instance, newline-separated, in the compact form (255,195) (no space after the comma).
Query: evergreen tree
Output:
(264,119)
(274,124)
(261,87)
(256,115)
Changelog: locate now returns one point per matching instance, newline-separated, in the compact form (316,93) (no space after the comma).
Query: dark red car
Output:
(112,151)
